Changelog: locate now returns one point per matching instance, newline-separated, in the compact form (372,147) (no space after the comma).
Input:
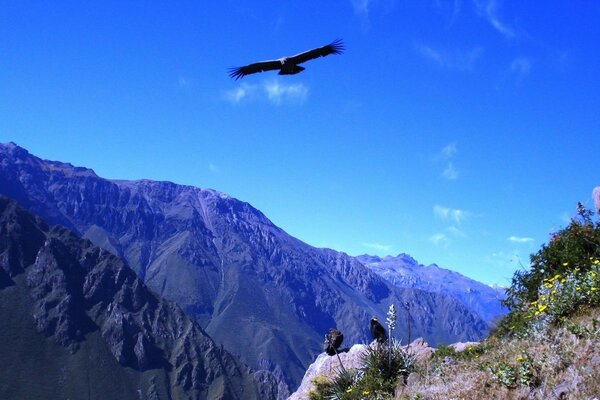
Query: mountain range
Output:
(264,295)
(78,323)
(405,271)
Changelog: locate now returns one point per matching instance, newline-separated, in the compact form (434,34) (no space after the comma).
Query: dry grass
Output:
(552,363)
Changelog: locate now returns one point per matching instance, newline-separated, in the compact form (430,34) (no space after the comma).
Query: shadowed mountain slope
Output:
(265,295)
(78,323)
(404,271)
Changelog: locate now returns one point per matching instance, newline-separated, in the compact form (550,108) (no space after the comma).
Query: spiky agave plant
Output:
(341,384)
(380,371)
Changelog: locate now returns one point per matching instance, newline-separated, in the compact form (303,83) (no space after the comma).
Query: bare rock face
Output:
(86,300)
(327,366)
(264,295)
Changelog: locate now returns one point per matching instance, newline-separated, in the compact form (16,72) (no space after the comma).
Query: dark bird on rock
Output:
(378,331)
(333,341)
(288,65)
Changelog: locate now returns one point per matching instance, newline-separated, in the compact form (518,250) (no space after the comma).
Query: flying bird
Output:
(288,65)
(378,331)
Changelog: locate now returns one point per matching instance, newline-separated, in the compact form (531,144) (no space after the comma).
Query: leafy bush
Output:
(564,275)
(521,371)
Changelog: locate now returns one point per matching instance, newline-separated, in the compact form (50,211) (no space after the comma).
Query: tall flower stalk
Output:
(391,323)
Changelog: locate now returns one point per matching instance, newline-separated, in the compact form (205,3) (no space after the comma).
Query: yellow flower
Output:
(542,308)
(565,264)
(594,289)
(365,392)
(563,280)
(553,291)
(536,313)
(578,288)
(520,358)
(596,262)
(349,390)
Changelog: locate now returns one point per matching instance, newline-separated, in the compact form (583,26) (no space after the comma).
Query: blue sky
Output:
(461,132)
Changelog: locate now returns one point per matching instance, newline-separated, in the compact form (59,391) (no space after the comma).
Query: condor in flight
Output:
(288,65)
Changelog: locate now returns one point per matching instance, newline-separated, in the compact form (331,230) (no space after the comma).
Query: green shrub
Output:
(522,371)
(564,275)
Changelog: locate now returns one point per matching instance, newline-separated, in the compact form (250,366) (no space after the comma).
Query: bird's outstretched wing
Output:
(239,72)
(335,47)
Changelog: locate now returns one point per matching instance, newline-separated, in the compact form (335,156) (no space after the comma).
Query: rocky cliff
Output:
(78,323)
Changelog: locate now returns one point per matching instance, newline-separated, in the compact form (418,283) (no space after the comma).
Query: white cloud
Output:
(239,93)
(431,54)
(449,150)
(488,9)
(450,214)
(450,172)
(378,246)
(273,90)
(456,232)
(454,59)
(519,239)
(183,82)
(439,239)
(278,92)
(361,6)
(521,66)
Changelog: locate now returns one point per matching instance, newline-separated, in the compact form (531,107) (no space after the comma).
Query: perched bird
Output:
(288,65)
(333,341)
(378,331)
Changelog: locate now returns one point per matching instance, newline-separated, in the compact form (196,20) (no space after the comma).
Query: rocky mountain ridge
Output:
(266,296)
(75,299)
(404,271)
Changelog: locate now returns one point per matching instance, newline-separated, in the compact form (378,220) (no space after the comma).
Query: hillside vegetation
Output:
(546,347)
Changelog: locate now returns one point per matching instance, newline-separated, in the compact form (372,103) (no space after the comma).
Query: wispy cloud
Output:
(454,231)
(450,172)
(450,214)
(519,239)
(239,93)
(521,66)
(378,246)
(449,150)
(183,82)
(361,6)
(275,91)
(454,59)
(213,168)
(439,239)
(489,9)
(450,8)
(278,92)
